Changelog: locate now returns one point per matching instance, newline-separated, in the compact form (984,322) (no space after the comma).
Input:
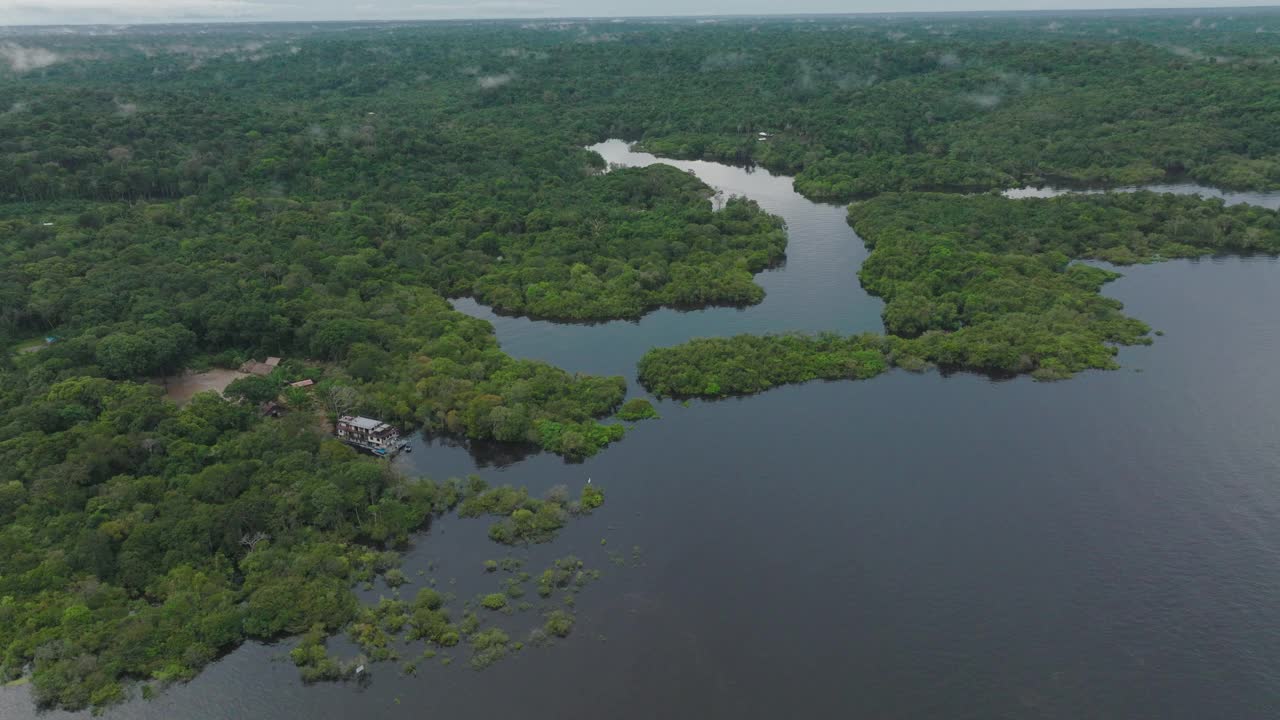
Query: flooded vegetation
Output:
(971,541)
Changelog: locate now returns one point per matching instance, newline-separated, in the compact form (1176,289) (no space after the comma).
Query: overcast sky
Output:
(23,12)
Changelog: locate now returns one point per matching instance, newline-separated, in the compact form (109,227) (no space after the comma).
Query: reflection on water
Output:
(909,547)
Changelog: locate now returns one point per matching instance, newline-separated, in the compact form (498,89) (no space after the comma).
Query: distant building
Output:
(253,367)
(303,383)
(368,433)
(273,361)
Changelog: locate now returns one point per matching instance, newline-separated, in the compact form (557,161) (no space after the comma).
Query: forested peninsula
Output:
(981,283)
(179,198)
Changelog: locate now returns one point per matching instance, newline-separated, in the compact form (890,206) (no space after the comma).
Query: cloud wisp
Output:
(21,58)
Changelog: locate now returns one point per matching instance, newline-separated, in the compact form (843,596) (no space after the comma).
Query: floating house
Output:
(373,435)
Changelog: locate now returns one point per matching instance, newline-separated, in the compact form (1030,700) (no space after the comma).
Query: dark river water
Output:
(911,547)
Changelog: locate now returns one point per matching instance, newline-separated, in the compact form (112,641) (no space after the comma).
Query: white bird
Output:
(588,481)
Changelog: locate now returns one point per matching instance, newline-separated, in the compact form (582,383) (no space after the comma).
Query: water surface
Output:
(910,547)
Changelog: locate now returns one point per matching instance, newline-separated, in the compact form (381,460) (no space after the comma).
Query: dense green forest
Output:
(175,197)
(989,283)
(712,367)
(140,541)
(853,107)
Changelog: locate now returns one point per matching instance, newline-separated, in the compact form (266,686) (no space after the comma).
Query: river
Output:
(909,547)
(815,289)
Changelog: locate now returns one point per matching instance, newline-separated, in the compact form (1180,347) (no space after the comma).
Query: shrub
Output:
(637,409)
(559,623)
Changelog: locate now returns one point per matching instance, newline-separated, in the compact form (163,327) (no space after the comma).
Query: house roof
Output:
(303,383)
(363,423)
(256,368)
(273,361)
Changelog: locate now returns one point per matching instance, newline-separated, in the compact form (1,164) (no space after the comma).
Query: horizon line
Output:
(617,18)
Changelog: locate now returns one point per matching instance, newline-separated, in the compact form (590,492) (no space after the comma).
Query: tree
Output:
(254,389)
(124,355)
(339,399)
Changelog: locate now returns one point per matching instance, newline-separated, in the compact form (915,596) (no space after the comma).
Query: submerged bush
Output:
(637,409)
(559,623)
(527,519)
(487,647)
(591,499)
